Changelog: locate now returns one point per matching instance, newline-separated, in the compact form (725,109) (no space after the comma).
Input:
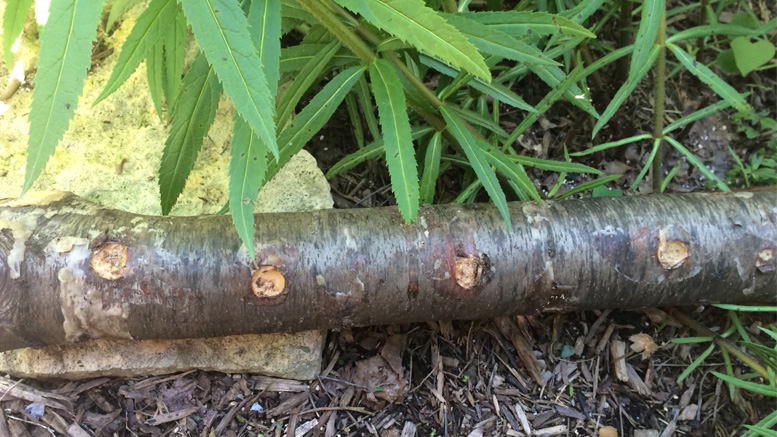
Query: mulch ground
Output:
(550,374)
(556,375)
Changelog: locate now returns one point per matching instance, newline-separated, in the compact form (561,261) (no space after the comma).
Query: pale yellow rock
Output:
(125,126)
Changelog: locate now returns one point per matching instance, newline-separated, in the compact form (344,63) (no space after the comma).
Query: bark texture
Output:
(71,270)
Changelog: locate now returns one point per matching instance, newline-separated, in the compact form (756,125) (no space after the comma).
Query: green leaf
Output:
(653,152)
(765,390)
(590,185)
(148,29)
(155,74)
(557,166)
(247,167)
(400,153)
(697,163)
(431,168)
(652,11)
(292,9)
(14,16)
(729,30)
(477,159)
(602,191)
(750,56)
(372,150)
(305,79)
(313,117)
(697,115)
(222,31)
(264,17)
(493,41)
(521,24)
(414,22)
(118,8)
(625,91)
(477,119)
(696,363)
(605,146)
(748,308)
(724,90)
(65,56)
(174,45)
(514,172)
(194,113)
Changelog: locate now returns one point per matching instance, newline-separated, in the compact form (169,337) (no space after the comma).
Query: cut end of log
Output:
(109,261)
(267,282)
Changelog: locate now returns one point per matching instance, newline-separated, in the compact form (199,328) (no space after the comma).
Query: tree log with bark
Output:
(71,270)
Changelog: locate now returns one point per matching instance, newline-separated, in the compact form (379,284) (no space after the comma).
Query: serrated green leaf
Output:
(697,115)
(414,22)
(610,145)
(553,76)
(155,74)
(557,166)
(222,31)
(729,30)
(264,17)
(294,58)
(693,159)
(490,40)
(65,56)
(652,11)
(521,24)
(477,119)
(313,117)
(118,8)
(477,159)
(626,89)
(431,168)
(400,153)
(306,78)
(247,167)
(194,113)
(14,16)
(174,46)
(292,9)
(148,29)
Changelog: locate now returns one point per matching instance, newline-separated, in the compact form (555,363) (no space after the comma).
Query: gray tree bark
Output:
(71,270)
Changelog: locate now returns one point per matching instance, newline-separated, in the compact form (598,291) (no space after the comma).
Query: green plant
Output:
(395,42)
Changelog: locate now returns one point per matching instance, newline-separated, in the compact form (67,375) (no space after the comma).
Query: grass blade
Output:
(724,90)
(765,390)
(697,115)
(148,29)
(431,168)
(194,113)
(14,16)
(590,185)
(424,28)
(221,29)
(304,80)
(65,55)
(696,363)
(477,159)
(400,153)
(610,145)
(645,39)
(247,166)
(697,163)
(313,117)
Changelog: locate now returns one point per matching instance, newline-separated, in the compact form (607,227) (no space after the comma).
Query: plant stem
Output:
(449,6)
(328,18)
(624,39)
(720,341)
(658,109)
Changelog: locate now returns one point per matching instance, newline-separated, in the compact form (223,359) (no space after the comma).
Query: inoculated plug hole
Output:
(671,254)
(469,271)
(267,282)
(109,261)
(765,261)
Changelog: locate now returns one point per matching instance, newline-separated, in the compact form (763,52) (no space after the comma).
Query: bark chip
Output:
(109,261)
(671,254)
(267,282)
(469,271)
(765,261)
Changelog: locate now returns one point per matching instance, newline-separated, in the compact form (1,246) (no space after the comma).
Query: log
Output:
(71,270)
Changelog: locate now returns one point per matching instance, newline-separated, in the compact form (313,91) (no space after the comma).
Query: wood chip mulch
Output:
(608,373)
